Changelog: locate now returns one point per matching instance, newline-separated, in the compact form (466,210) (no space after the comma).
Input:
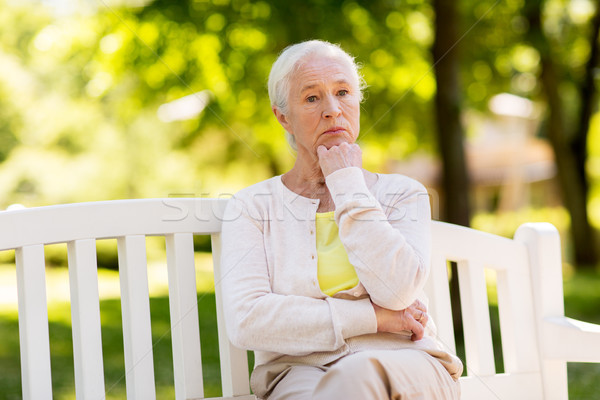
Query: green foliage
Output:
(506,223)
(79,91)
(83,123)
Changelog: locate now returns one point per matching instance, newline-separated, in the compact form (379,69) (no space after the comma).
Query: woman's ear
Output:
(281,118)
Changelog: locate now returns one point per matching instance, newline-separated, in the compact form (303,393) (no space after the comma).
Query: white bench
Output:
(537,340)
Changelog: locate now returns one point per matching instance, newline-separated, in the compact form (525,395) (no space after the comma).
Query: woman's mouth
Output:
(334,130)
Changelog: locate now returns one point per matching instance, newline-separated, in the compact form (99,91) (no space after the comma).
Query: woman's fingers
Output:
(419,312)
(422,319)
(337,157)
(410,319)
(418,315)
(417,304)
(417,329)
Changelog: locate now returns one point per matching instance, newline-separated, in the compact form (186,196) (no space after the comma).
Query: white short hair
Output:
(290,60)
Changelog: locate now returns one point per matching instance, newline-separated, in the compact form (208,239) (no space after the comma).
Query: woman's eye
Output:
(342,92)
(311,99)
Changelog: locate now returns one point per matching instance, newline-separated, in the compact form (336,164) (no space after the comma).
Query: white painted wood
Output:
(474,252)
(108,220)
(459,243)
(234,361)
(135,309)
(33,323)
(183,303)
(438,292)
(583,339)
(523,386)
(476,319)
(545,263)
(529,294)
(85,319)
(509,259)
(517,319)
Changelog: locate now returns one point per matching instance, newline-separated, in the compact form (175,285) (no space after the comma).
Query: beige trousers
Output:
(368,375)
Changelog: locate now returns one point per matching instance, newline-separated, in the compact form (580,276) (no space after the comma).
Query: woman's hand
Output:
(337,157)
(413,319)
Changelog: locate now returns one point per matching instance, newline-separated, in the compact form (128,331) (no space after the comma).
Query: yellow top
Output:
(334,271)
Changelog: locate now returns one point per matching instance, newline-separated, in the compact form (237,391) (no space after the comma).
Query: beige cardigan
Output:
(272,300)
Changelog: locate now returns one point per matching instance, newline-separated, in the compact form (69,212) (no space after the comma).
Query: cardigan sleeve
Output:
(389,244)
(258,319)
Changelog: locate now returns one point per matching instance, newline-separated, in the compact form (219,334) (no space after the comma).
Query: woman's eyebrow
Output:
(308,87)
(342,82)
(312,86)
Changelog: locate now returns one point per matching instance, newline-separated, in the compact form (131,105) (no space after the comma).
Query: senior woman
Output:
(324,266)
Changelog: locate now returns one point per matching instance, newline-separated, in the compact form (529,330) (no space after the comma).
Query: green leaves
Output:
(86,87)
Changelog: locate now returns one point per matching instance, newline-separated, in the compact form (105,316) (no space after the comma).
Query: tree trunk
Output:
(587,97)
(455,181)
(569,149)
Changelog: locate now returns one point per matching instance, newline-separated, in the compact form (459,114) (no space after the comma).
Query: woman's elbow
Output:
(397,301)
(238,339)
(241,333)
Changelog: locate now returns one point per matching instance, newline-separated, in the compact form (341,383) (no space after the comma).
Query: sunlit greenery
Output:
(80,88)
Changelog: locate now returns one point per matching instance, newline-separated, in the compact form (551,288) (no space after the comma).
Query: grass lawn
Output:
(582,298)
(62,352)
(582,301)
(61,344)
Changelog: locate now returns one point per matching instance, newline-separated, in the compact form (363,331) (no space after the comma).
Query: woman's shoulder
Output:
(399,183)
(257,192)
(259,188)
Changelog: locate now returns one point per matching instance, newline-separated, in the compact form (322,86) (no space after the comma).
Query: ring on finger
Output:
(420,316)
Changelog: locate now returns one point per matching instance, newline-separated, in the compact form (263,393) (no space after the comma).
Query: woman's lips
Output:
(334,130)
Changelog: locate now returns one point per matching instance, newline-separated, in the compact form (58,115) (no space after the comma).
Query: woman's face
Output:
(323,105)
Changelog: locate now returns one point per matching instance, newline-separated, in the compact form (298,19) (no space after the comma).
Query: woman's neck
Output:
(307,180)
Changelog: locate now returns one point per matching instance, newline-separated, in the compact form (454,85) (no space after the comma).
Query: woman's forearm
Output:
(389,249)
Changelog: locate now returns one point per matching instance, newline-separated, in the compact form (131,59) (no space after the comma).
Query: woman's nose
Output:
(331,107)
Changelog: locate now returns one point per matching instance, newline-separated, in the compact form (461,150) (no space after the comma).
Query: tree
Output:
(569,143)
(450,135)
(455,180)
(95,133)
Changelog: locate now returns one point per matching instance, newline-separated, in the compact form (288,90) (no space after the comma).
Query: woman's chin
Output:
(333,140)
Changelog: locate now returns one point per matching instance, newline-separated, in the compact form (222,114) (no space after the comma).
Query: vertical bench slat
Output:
(476,319)
(135,309)
(234,361)
(438,292)
(545,262)
(517,320)
(85,316)
(33,323)
(183,303)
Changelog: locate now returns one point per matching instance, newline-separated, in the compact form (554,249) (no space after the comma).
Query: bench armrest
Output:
(571,340)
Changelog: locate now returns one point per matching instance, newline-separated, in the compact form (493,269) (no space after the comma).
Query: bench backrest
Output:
(178,220)
(512,262)
(128,221)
